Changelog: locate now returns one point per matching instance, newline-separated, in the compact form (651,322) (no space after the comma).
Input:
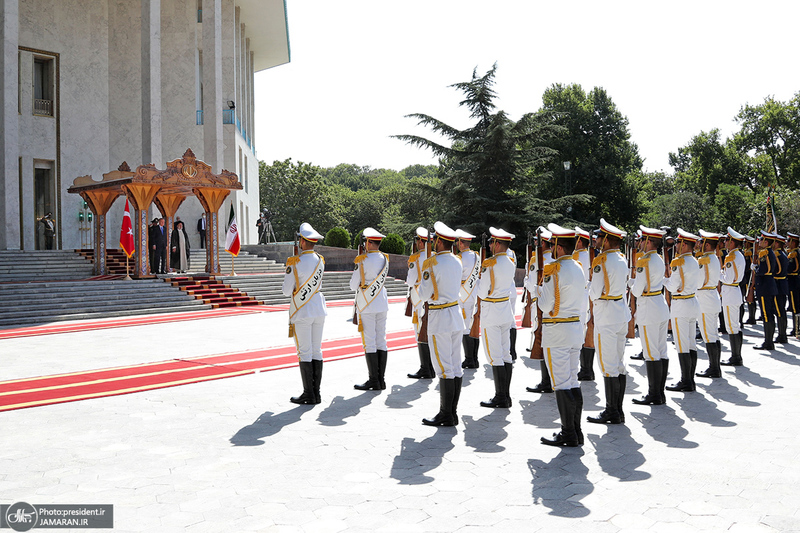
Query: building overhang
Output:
(267,28)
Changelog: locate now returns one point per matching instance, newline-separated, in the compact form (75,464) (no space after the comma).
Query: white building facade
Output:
(88,84)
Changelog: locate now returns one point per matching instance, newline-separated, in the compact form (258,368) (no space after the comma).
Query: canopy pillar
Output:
(141,196)
(211,200)
(100,202)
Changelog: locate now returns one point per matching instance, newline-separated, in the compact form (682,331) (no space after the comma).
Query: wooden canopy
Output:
(167,188)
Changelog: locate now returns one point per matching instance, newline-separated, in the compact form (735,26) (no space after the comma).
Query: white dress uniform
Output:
(413,280)
(372,319)
(561,299)
(684,280)
(611,313)
(441,283)
(708,297)
(652,312)
(731,297)
(468,260)
(309,319)
(497,315)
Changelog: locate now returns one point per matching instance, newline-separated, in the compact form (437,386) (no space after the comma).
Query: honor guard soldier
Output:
(782,283)
(372,305)
(561,299)
(652,314)
(708,299)
(413,281)
(303,284)
(750,248)
(611,317)
(532,284)
(793,275)
(584,258)
(440,287)
(765,265)
(684,280)
(496,315)
(512,333)
(733,269)
(470,270)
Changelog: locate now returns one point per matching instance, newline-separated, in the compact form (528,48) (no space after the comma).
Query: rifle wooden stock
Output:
(588,340)
(423,327)
(751,285)
(475,329)
(526,295)
(361,249)
(632,300)
(536,350)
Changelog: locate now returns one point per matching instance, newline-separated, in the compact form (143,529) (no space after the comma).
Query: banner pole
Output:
(127,271)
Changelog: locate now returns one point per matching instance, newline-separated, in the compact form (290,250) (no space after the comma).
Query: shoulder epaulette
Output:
(490,262)
(599,260)
(730,257)
(293,260)
(704,260)
(429,262)
(551,268)
(792,254)
(678,261)
(360,258)
(642,261)
(762,253)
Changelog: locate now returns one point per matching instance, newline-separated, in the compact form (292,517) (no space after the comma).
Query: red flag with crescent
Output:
(126,234)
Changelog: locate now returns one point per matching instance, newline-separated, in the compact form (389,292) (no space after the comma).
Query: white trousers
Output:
(683,331)
(563,364)
(654,340)
(708,326)
(446,354)
(373,331)
(731,314)
(308,338)
(609,343)
(497,344)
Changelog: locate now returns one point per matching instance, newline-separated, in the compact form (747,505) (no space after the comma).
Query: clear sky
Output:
(674,68)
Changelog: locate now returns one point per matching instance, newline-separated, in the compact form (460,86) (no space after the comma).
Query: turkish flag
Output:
(126,234)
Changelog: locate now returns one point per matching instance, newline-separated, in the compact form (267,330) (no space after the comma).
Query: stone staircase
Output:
(210,291)
(24,304)
(244,263)
(266,288)
(43,265)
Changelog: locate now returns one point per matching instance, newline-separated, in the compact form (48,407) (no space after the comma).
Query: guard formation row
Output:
(583,296)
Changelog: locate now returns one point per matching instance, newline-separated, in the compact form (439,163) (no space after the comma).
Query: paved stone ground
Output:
(236,455)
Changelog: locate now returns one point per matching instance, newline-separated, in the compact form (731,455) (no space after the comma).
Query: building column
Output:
(151,83)
(9,126)
(212,84)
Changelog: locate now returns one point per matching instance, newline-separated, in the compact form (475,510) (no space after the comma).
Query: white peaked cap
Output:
(709,235)
(611,229)
(683,234)
(735,234)
(500,234)
(372,233)
(545,233)
(422,233)
(558,231)
(651,232)
(309,233)
(443,231)
(582,233)
(461,234)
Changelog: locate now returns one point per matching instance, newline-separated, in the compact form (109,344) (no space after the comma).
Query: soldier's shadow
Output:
(748,377)
(401,396)
(664,425)
(557,484)
(723,391)
(786,354)
(266,425)
(699,408)
(618,453)
(541,412)
(417,458)
(486,433)
(341,408)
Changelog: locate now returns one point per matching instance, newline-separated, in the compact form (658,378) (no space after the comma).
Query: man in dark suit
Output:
(201,229)
(150,239)
(158,244)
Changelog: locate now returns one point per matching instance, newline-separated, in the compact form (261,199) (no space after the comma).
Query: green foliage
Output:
(393,244)
(337,237)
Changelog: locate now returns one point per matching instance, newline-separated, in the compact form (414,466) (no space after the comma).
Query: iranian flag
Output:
(232,239)
(126,234)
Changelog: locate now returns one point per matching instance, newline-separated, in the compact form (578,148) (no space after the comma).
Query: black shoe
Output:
(611,414)
(605,417)
(382,357)
(559,440)
(470,345)
(567,437)
(653,396)
(545,386)
(456,397)
(686,383)
(500,400)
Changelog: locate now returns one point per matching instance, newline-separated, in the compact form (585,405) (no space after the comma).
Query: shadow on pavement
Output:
(401,396)
(339,409)
(723,391)
(266,425)
(417,458)
(618,453)
(664,425)
(560,483)
(748,377)
(698,407)
(486,433)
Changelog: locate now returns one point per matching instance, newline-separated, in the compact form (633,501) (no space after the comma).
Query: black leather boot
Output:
(714,351)
(470,352)
(373,383)
(722,327)
(735,339)
(507,388)
(664,372)
(769,332)
(512,332)
(586,372)
(751,314)
(456,397)
(623,380)
(686,383)
(307,375)
(782,325)
(693,354)
(317,365)
(544,386)
(425,364)
(578,396)
(383,355)
(653,397)
(638,357)
(500,379)
(610,415)
(444,417)
(566,410)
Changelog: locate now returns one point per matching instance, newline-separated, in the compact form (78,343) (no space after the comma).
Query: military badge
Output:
(728,265)
(288,270)
(426,275)
(674,269)
(547,279)
(639,269)
(598,268)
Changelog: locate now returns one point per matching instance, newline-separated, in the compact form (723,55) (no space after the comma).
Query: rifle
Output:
(296,252)
(537,352)
(409,305)
(751,285)
(588,340)
(526,295)
(475,330)
(362,247)
(423,327)
(631,252)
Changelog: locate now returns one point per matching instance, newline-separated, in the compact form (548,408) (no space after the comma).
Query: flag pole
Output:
(127,270)
(233,257)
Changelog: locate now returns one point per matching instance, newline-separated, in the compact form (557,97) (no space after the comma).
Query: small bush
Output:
(393,244)
(338,238)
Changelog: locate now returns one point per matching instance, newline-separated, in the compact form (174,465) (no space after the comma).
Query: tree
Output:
(337,237)
(297,193)
(486,167)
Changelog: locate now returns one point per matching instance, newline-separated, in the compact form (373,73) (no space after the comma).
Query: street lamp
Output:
(567,168)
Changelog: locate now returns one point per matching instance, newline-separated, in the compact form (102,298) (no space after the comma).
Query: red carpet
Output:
(46,390)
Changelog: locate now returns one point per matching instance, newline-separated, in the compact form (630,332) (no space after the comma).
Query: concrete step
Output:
(192,305)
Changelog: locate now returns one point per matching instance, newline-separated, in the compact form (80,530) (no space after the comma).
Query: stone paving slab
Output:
(236,455)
